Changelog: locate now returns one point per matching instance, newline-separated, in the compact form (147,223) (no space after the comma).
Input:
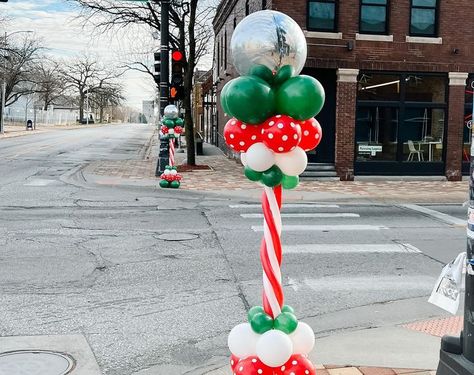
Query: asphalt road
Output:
(98,261)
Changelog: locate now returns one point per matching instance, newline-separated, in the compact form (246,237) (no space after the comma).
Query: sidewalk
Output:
(225,176)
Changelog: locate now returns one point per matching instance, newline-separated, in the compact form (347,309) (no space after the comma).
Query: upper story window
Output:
(322,15)
(424,18)
(373,17)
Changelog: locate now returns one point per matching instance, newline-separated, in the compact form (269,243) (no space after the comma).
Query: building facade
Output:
(397,75)
(148,110)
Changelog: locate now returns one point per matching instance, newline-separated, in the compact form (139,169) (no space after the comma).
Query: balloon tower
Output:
(171,129)
(272,127)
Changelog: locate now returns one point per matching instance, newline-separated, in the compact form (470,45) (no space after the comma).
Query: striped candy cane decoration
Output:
(271,252)
(172,152)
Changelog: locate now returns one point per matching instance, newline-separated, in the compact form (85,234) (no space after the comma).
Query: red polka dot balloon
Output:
(298,364)
(252,366)
(281,133)
(311,134)
(240,136)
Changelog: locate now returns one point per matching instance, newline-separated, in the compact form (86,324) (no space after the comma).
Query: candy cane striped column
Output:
(271,252)
(172,152)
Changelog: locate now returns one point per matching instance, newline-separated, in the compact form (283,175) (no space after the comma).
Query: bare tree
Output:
(86,76)
(106,94)
(50,83)
(190,32)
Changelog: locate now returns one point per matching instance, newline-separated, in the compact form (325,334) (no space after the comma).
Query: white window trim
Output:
(424,39)
(322,35)
(374,37)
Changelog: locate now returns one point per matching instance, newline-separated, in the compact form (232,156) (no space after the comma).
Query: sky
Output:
(64,36)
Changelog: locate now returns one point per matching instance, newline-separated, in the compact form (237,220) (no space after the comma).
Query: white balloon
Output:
(292,163)
(274,348)
(303,339)
(173,172)
(243,159)
(259,157)
(242,340)
(167,171)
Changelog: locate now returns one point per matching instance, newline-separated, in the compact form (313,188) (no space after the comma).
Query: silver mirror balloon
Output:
(171,111)
(268,38)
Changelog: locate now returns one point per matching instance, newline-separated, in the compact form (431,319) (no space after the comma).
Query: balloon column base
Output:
(298,364)
(169,184)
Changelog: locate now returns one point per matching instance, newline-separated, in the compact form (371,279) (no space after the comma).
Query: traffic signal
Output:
(156,75)
(177,78)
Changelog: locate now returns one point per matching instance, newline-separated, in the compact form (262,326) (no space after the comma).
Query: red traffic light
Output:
(177,56)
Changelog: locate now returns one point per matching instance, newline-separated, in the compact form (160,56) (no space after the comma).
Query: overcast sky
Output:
(56,23)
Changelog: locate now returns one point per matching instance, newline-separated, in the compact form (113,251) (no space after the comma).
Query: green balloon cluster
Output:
(171,124)
(261,322)
(272,177)
(254,98)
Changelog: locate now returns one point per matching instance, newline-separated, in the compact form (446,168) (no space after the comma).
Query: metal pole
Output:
(163,158)
(4,88)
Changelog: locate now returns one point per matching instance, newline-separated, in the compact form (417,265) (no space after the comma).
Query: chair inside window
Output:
(414,151)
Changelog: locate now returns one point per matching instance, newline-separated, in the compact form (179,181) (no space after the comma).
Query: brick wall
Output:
(345,128)
(454,141)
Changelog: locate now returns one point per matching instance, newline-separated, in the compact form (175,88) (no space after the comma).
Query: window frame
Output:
(336,16)
(436,20)
(387,17)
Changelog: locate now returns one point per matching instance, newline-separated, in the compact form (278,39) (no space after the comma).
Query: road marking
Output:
(287,205)
(369,283)
(299,228)
(436,214)
(303,215)
(350,248)
(40,182)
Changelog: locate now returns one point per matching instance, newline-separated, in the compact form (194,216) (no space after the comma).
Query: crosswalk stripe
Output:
(299,228)
(350,248)
(436,214)
(303,215)
(287,205)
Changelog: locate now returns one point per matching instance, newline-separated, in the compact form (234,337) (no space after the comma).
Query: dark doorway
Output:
(324,153)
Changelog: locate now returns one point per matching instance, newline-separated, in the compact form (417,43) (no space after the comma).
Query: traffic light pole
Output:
(457,353)
(163,158)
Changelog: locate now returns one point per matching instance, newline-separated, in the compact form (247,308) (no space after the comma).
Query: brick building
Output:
(396,75)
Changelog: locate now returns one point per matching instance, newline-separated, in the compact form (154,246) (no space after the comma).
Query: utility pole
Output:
(457,353)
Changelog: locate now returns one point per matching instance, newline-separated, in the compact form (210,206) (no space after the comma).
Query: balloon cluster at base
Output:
(170,178)
(272,108)
(274,346)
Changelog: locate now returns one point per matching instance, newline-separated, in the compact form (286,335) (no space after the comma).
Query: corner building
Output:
(398,77)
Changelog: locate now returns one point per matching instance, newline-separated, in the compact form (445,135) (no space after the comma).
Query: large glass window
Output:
(373,17)
(468,119)
(423,18)
(400,117)
(322,15)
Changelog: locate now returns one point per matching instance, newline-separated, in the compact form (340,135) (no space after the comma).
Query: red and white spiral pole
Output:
(172,152)
(271,251)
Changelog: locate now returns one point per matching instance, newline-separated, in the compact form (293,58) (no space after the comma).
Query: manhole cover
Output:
(35,362)
(177,236)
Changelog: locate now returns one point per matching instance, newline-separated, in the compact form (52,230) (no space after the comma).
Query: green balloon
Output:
(287,308)
(179,121)
(253,311)
(174,184)
(262,72)
(261,323)
(289,182)
(283,74)
(252,175)
(300,97)
(286,322)
(224,91)
(272,177)
(168,122)
(164,184)
(249,99)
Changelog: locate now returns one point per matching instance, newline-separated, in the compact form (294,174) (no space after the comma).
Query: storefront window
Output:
(379,87)
(400,118)
(422,134)
(376,133)
(468,119)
